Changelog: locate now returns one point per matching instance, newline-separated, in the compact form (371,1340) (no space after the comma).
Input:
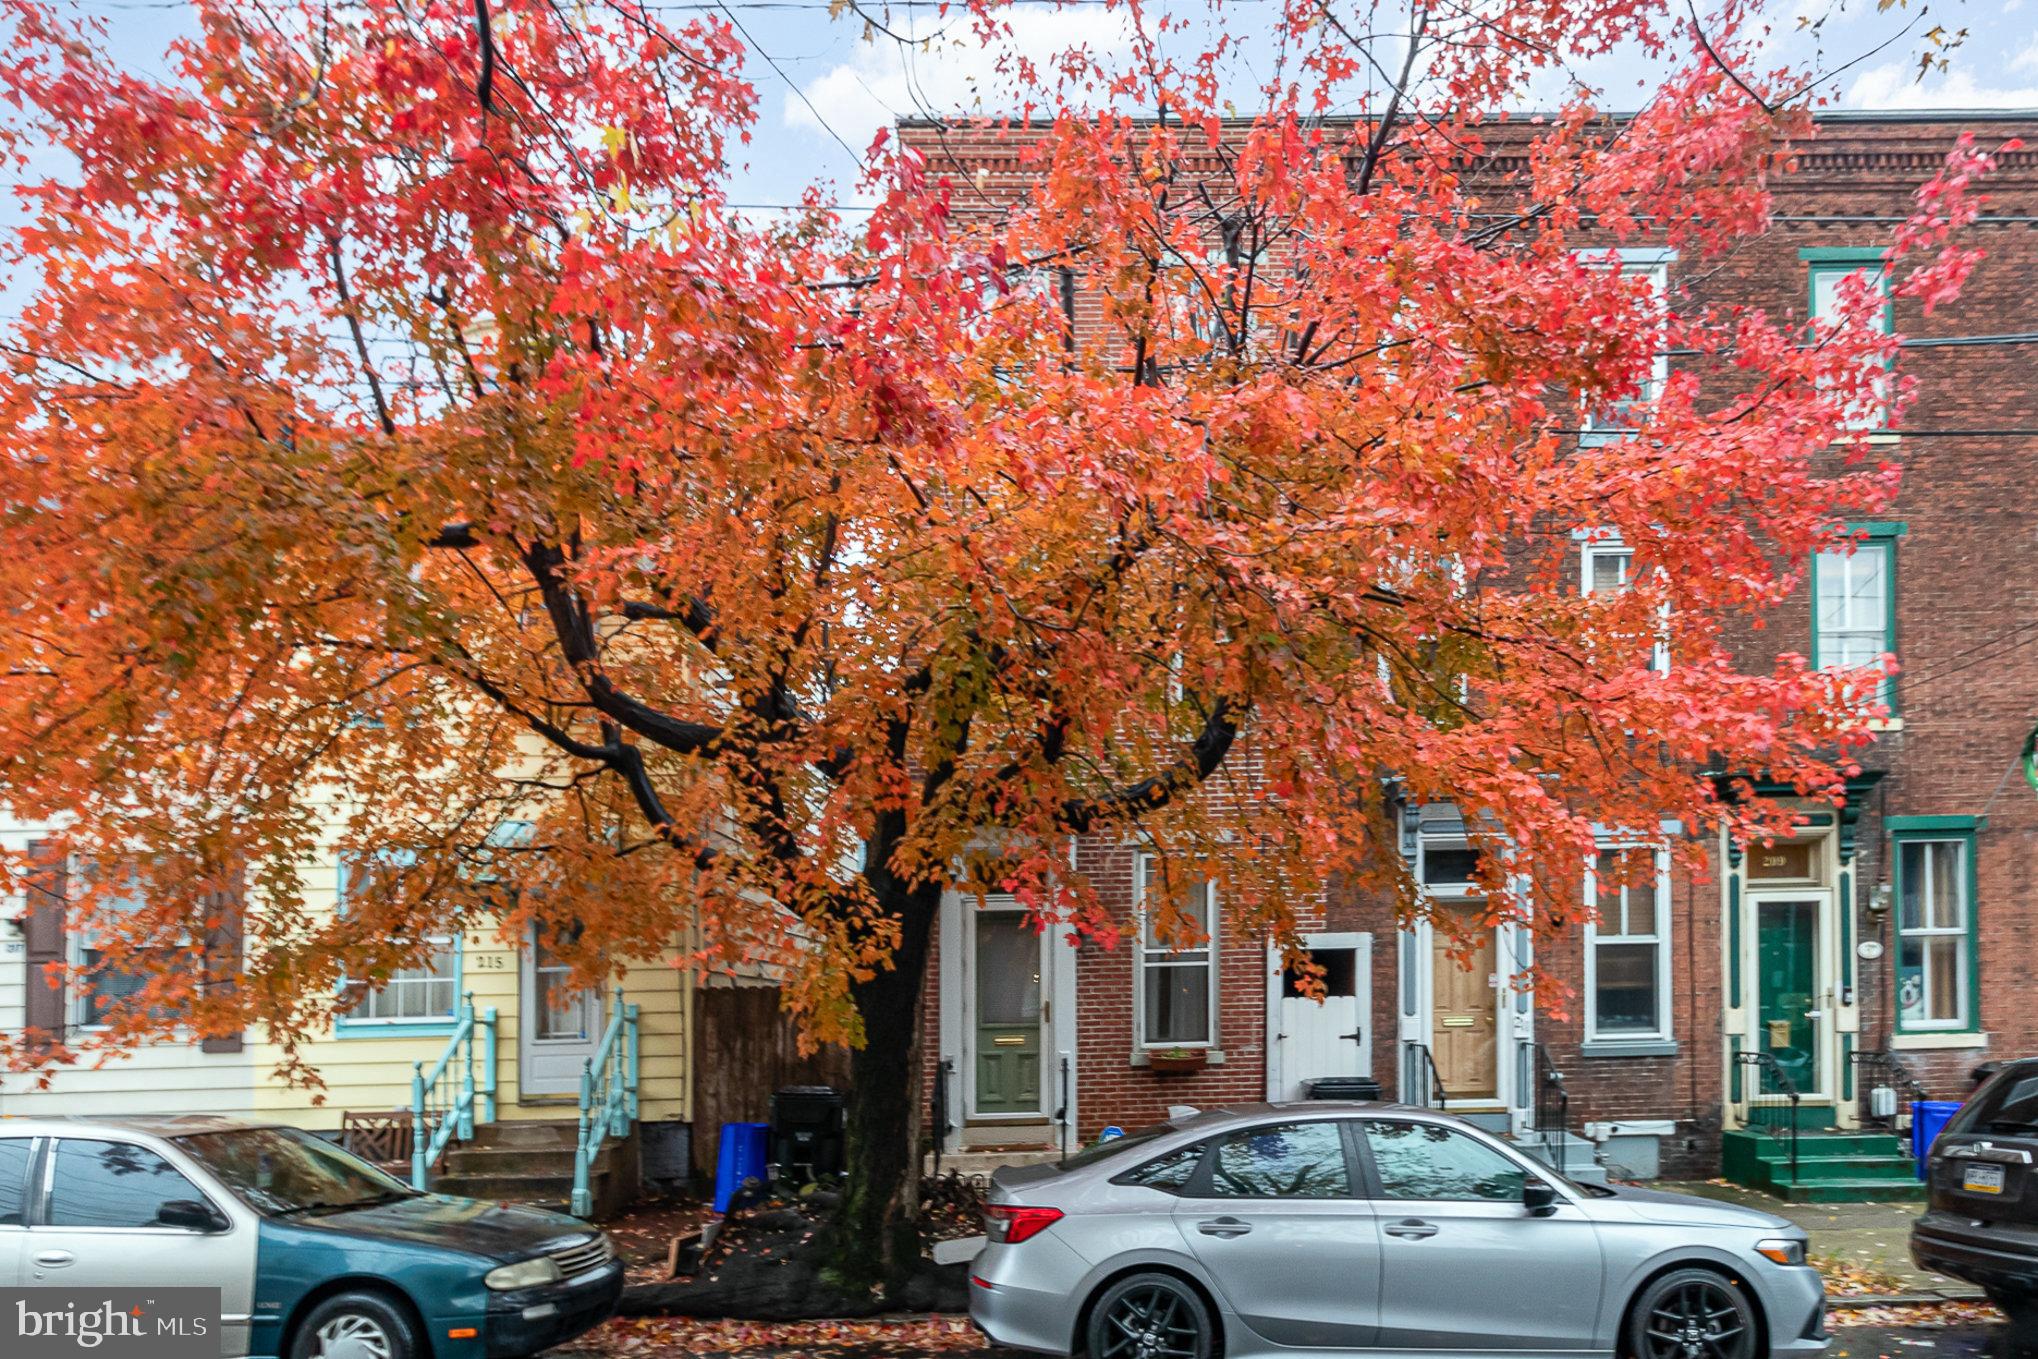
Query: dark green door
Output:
(1786,964)
(1008,1014)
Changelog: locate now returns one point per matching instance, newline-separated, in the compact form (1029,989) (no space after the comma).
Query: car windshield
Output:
(282,1172)
(2006,1106)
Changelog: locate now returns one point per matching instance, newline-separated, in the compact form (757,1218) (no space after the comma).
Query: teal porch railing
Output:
(460,1088)
(608,1099)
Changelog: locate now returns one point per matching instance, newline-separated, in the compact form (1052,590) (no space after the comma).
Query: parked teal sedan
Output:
(317,1254)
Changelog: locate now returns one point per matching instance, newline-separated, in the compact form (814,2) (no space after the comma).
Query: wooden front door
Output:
(1007,1014)
(1464,1037)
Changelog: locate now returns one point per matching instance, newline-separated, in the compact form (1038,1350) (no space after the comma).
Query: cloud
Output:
(955,73)
(1896,86)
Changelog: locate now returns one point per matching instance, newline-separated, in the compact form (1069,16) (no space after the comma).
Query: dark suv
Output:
(1982,1223)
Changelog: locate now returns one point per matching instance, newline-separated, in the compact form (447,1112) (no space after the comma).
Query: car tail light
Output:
(1008,1224)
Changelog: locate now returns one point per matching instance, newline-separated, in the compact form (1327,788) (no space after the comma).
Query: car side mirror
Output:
(191,1215)
(1539,1197)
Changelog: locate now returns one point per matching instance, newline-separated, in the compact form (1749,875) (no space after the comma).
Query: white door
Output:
(558,1026)
(102,1226)
(1331,1037)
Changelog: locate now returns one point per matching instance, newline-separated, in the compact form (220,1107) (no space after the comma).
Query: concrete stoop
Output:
(1568,1154)
(983,1162)
(520,1162)
(1832,1167)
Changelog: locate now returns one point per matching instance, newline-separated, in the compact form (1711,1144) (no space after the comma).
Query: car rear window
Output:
(2007,1105)
(1116,1147)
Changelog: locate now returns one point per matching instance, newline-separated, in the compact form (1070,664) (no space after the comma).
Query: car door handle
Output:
(1411,1229)
(1224,1226)
(55,1259)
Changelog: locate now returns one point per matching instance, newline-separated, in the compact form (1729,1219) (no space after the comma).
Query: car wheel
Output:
(1692,1314)
(1150,1316)
(355,1326)
(2018,1307)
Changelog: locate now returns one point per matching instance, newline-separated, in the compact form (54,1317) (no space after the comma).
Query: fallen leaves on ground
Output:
(649,1336)
(1850,1279)
(1928,1314)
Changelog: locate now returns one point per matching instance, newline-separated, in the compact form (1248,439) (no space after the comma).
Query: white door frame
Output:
(527,1025)
(1514,1011)
(1277,1078)
(1825,980)
(957,1029)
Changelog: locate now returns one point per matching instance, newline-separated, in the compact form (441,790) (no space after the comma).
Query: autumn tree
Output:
(404,440)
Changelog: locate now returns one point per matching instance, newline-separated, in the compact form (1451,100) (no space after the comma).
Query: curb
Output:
(1864,1301)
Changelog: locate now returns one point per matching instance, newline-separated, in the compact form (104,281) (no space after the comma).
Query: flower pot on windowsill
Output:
(1178,1062)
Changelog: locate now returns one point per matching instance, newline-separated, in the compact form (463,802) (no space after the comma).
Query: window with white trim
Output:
(1627,945)
(1652,267)
(428,994)
(1828,278)
(1934,941)
(1607,566)
(1854,613)
(1175,996)
(105,987)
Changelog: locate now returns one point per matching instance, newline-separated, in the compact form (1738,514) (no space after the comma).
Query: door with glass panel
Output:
(1007,957)
(1790,1015)
(558,1027)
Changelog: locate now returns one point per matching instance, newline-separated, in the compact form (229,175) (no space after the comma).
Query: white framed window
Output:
(1854,613)
(428,994)
(1174,999)
(1627,945)
(1606,566)
(104,989)
(1935,936)
(1653,268)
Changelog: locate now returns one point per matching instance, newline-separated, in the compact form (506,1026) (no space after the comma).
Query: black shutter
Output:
(223,950)
(48,895)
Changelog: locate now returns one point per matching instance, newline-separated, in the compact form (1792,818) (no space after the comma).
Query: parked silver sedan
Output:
(1375,1229)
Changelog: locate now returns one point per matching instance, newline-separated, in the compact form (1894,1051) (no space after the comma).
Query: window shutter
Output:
(223,952)
(48,895)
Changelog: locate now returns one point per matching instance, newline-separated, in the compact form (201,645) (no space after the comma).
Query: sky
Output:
(825,86)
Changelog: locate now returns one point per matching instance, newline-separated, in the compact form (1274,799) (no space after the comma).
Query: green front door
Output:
(1786,966)
(1008,1014)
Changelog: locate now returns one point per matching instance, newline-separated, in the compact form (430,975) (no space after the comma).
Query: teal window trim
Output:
(1856,255)
(1823,260)
(345,1026)
(1872,538)
(1930,829)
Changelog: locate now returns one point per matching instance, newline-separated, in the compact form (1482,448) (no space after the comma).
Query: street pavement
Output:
(1978,1340)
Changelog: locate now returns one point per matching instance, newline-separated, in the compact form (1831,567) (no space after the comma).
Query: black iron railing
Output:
(937,1113)
(1553,1110)
(1771,1098)
(1881,1070)
(1421,1085)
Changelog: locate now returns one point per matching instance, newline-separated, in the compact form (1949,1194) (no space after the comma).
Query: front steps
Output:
(532,1162)
(1832,1167)
(1579,1160)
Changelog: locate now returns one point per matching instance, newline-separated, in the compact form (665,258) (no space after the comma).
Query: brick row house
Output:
(1875,958)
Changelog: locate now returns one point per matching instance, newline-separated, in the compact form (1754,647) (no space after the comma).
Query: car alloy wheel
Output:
(1695,1314)
(351,1335)
(1150,1317)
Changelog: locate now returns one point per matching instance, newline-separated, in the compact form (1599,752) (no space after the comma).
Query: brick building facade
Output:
(1892,941)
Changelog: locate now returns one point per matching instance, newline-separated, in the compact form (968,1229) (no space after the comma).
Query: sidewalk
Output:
(1861,1248)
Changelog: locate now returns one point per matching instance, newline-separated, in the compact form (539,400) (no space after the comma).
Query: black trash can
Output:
(806,1132)
(1342,1087)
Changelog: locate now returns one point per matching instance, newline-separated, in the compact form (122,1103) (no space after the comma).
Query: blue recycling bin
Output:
(741,1158)
(1928,1118)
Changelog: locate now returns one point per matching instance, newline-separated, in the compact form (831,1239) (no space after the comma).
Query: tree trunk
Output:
(877,1234)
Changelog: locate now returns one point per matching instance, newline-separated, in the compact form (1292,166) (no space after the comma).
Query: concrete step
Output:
(1846,1168)
(546,1160)
(1492,1120)
(1851,1191)
(531,1135)
(988,1163)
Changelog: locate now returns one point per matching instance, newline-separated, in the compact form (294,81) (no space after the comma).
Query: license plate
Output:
(1982,1180)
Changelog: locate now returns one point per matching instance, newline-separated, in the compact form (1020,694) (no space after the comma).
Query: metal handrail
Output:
(937,1114)
(1553,1107)
(437,1116)
(1766,1103)
(1419,1069)
(608,1099)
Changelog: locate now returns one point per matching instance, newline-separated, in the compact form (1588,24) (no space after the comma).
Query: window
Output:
(2007,1106)
(14,1156)
(1830,271)
(1449,867)
(1177,985)
(1428,1161)
(1627,946)
(1281,1161)
(1651,267)
(280,1171)
(412,995)
(104,988)
(1935,929)
(1854,613)
(1607,567)
(1171,1170)
(114,1184)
